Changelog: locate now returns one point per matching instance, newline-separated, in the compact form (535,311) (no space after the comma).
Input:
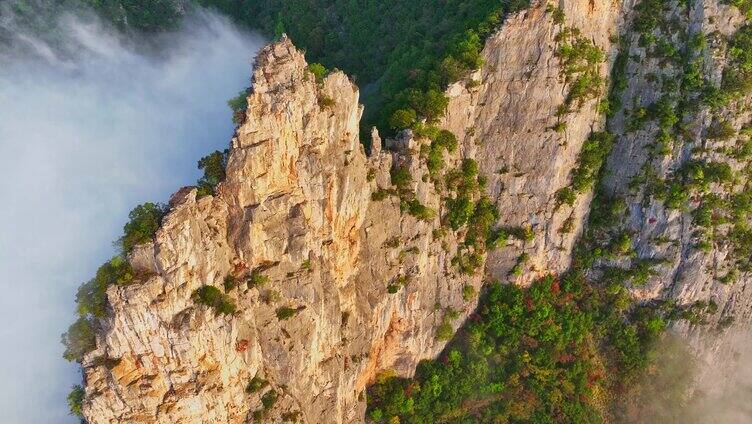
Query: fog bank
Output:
(688,387)
(90,126)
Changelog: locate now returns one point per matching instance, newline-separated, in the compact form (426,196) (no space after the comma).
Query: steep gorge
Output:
(341,268)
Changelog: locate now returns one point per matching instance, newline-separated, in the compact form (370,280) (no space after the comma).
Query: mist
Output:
(685,386)
(723,393)
(90,126)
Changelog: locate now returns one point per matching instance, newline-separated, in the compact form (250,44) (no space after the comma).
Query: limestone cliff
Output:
(296,207)
(695,262)
(335,280)
(508,121)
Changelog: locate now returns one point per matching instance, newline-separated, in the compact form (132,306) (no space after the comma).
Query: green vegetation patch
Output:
(744,6)
(144,221)
(580,66)
(403,53)
(737,76)
(91,303)
(75,401)
(214,166)
(79,339)
(239,105)
(286,312)
(257,279)
(257,383)
(215,299)
(526,356)
(319,71)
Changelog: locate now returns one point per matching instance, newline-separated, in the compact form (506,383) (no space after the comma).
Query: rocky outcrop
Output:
(366,284)
(506,116)
(507,119)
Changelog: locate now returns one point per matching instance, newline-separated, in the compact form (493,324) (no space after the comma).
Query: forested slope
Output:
(388,47)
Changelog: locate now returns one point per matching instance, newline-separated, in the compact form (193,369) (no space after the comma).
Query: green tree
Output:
(238,105)
(144,222)
(90,297)
(215,299)
(279,28)
(319,71)
(214,166)
(76,400)
(91,303)
(285,312)
(79,340)
(403,118)
(459,211)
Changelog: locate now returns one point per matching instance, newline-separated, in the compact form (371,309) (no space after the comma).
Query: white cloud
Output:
(83,139)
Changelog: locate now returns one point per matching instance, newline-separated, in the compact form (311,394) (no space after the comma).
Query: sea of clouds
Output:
(92,124)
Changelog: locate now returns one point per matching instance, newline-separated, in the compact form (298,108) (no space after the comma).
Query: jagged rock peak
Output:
(305,258)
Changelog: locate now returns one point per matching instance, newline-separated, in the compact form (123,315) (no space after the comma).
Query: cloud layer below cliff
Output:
(84,137)
(724,393)
(683,388)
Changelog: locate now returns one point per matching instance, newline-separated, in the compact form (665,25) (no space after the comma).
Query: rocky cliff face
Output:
(509,122)
(296,208)
(695,260)
(335,281)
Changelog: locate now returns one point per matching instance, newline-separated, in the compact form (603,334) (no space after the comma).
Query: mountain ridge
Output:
(332,269)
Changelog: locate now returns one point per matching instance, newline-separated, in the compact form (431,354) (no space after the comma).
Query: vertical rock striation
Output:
(508,119)
(694,265)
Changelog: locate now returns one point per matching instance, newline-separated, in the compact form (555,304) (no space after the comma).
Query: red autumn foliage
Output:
(240,269)
(565,358)
(409,390)
(594,378)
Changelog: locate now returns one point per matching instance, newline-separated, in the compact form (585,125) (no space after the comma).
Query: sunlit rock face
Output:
(296,207)
(686,273)
(507,118)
